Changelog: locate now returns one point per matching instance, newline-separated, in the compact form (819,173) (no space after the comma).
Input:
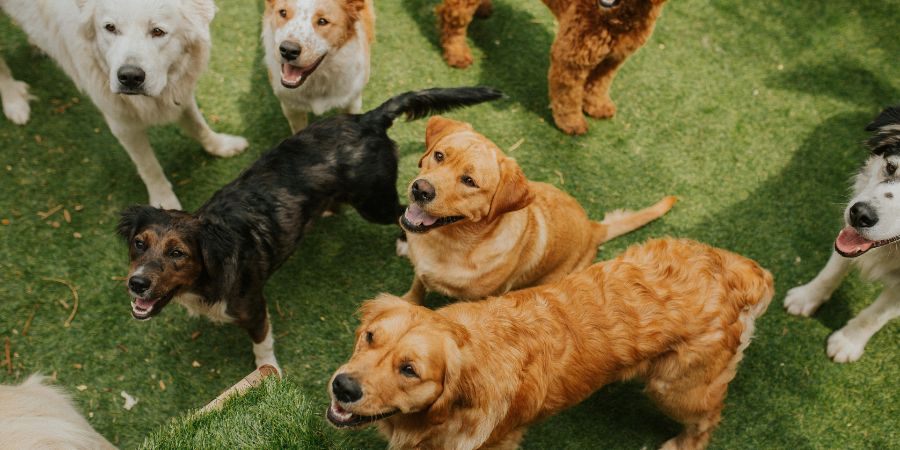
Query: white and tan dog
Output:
(317,54)
(870,241)
(138,61)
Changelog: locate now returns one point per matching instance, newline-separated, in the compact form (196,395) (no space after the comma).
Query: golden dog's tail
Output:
(620,221)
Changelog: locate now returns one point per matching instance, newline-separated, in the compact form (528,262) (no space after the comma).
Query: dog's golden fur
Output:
(515,233)
(676,314)
(592,42)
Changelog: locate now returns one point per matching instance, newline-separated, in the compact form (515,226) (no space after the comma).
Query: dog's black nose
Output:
(346,389)
(289,50)
(138,284)
(422,191)
(862,215)
(131,77)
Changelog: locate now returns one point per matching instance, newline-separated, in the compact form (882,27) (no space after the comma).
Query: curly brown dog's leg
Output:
(566,83)
(485,9)
(455,16)
(597,103)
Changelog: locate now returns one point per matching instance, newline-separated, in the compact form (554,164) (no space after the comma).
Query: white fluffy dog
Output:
(317,54)
(33,415)
(870,240)
(139,62)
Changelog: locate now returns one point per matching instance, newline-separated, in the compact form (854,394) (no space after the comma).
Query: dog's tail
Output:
(419,104)
(619,222)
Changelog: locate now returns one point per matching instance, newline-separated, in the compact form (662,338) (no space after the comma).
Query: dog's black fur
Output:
(227,249)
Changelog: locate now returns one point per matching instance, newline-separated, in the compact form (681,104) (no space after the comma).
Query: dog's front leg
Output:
(218,144)
(416,293)
(566,85)
(260,331)
(14,95)
(297,118)
(848,343)
(597,102)
(804,300)
(454,17)
(136,143)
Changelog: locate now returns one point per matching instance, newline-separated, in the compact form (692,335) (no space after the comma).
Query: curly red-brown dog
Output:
(593,39)
(675,314)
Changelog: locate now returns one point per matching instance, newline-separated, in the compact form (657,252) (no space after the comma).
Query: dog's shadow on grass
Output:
(520,73)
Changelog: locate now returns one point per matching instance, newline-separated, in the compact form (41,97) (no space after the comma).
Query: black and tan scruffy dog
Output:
(869,240)
(216,261)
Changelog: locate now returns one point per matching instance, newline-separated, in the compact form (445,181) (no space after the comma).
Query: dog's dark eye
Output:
(176,253)
(407,370)
(157,32)
(468,181)
(890,168)
(322,22)
(369,337)
(608,3)
(282,12)
(139,244)
(110,27)
(438,156)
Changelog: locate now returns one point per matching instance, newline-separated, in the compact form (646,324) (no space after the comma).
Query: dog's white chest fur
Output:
(195,306)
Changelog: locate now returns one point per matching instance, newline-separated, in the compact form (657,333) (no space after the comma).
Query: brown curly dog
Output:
(593,39)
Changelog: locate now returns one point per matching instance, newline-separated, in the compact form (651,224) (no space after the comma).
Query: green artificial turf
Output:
(752,113)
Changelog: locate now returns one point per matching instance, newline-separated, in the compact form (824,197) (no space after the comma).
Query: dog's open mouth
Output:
(415,219)
(342,418)
(145,308)
(851,244)
(293,77)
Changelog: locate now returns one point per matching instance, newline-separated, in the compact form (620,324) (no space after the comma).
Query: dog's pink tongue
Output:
(851,243)
(290,73)
(144,303)
(417,216)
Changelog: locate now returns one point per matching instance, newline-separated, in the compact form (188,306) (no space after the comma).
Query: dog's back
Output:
(33,415)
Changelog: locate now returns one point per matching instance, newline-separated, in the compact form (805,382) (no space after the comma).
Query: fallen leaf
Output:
(81,387)
(129,401)
(195,364)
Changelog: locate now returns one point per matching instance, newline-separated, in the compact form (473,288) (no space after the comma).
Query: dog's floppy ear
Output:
(353,8)
(204,10)
(887,132)
(134,218)
(512,193)
(216,249)
(371,309)
(437,128)
(457,389)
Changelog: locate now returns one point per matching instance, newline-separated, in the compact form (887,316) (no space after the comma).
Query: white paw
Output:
(164,198)
(402,248)
(803,301)
(843,348)
(226,145)
(15,103)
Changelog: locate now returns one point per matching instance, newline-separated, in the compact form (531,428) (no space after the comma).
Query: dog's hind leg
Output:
(218,144)
(697,407)
(848,343)
(137,145)
(597,102)
(805,300)
(619,222)
(14,95)
(454,17)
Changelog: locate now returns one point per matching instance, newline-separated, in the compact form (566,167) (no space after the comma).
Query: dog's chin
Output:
(341,418)
(145,308)
(851,244)
(293,77)
(416,220)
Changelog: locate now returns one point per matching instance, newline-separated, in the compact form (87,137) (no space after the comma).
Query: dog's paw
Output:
(225,145)
(164,199)
(402,248)
(458,56)
(843,348)
(15,103)
(485,9)
(803,301)
(600,110)
(574,126)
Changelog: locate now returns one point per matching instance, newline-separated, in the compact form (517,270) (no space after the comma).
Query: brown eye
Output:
(438,156)
(139,244)
(282,12)
(157,32)
(407,370)
(110,27)
(369,337)
(468,181)
(322,22)
(890,168)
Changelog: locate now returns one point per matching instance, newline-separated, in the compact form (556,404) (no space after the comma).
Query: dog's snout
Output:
(422,191)
(346,389)
(131,77)
(138,284)
(289,50)
(862,215)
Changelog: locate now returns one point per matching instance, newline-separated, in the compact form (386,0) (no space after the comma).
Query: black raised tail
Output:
(419,104)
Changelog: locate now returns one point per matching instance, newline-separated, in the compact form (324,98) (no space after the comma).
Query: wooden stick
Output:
(50,212)
(28,321)
(254,379)
(68,321)
(8,360)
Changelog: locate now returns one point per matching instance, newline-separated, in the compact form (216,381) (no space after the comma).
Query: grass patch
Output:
(751,112)
(275,414)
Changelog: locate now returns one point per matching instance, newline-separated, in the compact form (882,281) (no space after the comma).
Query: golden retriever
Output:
(676,314)
(477,227)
